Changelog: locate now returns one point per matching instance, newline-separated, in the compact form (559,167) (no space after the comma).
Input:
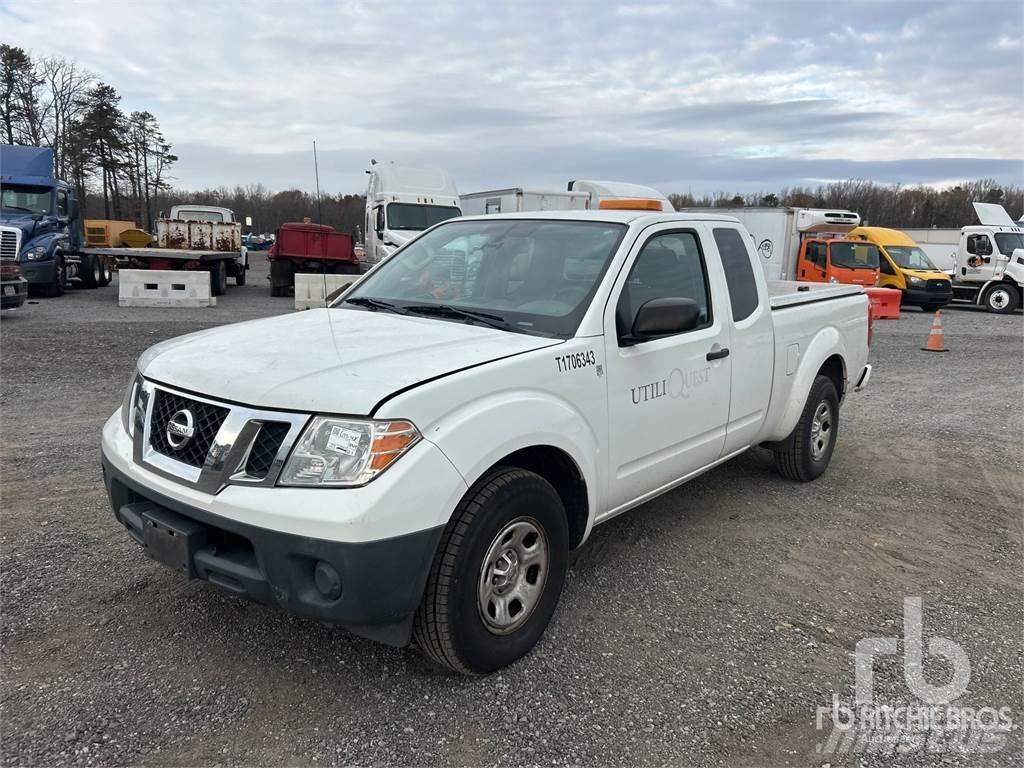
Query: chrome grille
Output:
(9,243)
(208,421)
(231,444)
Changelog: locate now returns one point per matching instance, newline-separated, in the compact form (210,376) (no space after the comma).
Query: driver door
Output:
(668,398)
(982,259)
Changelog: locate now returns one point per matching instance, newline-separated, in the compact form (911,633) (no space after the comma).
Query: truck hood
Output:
(326,360)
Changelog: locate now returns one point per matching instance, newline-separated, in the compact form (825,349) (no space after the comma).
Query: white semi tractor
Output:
(401,202)
(985,260)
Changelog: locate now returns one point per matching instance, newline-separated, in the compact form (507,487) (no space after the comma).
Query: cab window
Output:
(739,275)
(885,266)
(670,265)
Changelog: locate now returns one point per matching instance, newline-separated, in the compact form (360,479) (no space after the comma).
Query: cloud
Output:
(721,95)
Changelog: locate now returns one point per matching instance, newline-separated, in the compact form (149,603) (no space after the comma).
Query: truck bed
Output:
(174,254)
(789,293)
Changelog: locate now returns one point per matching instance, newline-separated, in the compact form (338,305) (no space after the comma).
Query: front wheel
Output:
(60,278)
(805,454)
(1001,299)
(497,574)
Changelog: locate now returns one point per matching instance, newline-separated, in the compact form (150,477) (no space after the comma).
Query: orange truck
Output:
(838,260)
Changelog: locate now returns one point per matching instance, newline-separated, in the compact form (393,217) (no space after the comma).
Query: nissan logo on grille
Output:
(180,428)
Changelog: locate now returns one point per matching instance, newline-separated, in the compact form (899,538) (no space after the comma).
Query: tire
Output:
(60,279)
(218,278)
(106,273)
(280,277)
(347,269)
(1001,298)
(240,275)
(805,454)
(450,626)
(92,272)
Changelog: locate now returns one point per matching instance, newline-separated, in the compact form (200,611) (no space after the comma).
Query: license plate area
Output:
(172,540)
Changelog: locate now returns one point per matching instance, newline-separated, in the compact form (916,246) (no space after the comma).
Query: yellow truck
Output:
(904,266)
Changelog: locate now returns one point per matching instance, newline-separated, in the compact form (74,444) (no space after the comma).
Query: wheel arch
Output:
(561,470)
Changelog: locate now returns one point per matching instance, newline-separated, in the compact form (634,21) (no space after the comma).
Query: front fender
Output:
(826,343)
(52,241)
(477,436)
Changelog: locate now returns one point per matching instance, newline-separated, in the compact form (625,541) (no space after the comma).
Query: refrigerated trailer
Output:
(779,232)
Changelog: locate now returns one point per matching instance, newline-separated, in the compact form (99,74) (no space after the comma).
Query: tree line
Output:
(109,157)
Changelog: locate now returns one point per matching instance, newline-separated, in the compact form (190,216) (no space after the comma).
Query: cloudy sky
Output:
(716,95)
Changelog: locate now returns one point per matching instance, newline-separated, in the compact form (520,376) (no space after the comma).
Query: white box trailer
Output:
(518,199)
(778,232)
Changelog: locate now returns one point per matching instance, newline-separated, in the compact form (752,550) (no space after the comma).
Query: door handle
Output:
(718,354)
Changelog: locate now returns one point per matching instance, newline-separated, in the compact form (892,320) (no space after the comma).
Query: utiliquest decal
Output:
(677,384)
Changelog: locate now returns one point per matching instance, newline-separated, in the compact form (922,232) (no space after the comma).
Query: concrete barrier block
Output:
(164,288)
(309,288)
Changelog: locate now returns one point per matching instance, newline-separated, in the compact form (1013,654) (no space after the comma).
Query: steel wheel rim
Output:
(1000,298)
(821,430)
(512,575)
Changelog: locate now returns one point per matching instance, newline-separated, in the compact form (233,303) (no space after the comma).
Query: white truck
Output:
(419,459)
(985,261)
(580,196)
(778,232)
(401,202)
(192,237)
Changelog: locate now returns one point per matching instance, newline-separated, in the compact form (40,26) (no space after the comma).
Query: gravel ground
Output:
(704,628)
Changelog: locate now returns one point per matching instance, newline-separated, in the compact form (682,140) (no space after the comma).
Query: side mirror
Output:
(73,210)
(663,317)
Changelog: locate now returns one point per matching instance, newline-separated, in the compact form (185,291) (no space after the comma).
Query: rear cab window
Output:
(739,274)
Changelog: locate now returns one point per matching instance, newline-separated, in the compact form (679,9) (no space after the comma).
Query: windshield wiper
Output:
(495,321)
(376,304)
(17,208)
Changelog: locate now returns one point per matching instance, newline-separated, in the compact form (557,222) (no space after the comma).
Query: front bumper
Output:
(267,544)
(12,300)
(928,297)
(38,272)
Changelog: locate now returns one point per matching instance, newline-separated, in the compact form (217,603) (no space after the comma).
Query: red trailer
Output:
(309,248)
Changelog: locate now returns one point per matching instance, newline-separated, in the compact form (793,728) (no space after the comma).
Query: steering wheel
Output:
(572,294)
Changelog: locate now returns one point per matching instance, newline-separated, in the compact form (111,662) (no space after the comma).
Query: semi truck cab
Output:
(40,223)
(988,266)
(401,202)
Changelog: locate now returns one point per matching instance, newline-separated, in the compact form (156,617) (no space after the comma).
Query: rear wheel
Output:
(1001,298)
(106,273)
(240,274)
(347,268)
(280,277)
(219,278)
(805,454)
(497,574)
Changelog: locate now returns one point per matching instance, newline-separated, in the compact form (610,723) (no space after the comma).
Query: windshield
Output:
(854,255)
(27,199)
(419,217)
(1008,242)
(536,276)
(909,257)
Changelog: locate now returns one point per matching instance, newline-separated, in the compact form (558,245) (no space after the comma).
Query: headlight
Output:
(346,452)
(36,253)
(912,280)
(133,406)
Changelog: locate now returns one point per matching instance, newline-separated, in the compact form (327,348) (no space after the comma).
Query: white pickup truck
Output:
(418,460)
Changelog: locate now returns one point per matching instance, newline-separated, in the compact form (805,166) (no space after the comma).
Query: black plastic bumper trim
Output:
(382,581)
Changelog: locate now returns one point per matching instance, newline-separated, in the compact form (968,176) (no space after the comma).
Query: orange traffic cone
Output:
(936,340)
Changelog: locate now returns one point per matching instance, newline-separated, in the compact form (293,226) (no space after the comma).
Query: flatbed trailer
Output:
(217,263)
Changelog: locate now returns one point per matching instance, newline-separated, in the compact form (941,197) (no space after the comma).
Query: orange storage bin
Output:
(885,303)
